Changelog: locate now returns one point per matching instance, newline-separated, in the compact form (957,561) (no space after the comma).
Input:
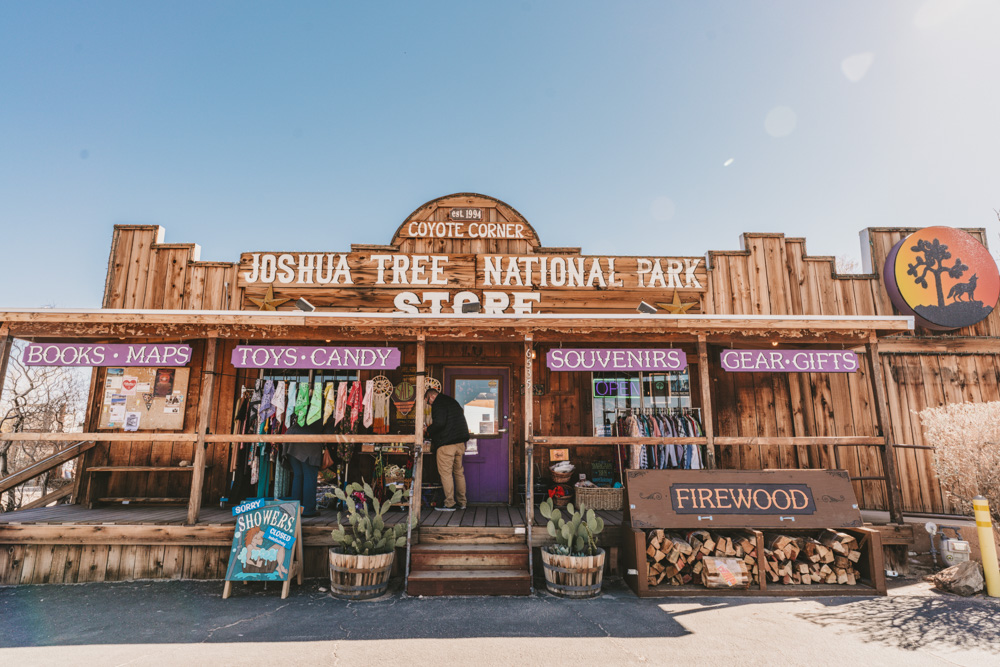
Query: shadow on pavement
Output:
(163,612)
(194,611)
(912,623)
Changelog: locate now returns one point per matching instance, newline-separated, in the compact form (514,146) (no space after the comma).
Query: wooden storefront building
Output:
(136,512)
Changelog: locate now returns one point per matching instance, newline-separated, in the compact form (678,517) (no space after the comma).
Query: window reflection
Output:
(479,397)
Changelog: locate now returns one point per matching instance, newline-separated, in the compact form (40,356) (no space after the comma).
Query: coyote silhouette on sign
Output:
(937,261)
(968,289)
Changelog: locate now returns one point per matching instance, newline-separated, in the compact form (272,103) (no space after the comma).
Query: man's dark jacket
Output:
(448,425)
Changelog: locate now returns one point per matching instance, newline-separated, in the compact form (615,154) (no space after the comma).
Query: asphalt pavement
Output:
(188,623)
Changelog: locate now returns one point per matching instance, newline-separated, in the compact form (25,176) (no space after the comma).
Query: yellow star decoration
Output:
(268,302)
(675,307)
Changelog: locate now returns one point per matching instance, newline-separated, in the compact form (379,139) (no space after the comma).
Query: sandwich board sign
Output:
(267,544)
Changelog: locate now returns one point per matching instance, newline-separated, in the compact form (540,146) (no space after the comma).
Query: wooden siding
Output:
(773,275)
(144,272)
(770,275)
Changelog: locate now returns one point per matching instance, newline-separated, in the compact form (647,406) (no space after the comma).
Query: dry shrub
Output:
(966,437)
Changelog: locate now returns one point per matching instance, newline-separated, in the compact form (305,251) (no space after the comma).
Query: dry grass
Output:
(966,437)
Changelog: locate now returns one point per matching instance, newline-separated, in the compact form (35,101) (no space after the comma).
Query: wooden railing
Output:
(43,466)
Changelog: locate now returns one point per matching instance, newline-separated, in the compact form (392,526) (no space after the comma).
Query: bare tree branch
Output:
(36,399)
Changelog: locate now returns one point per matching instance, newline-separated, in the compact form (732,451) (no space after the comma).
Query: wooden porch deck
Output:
(74,544)
(476,516)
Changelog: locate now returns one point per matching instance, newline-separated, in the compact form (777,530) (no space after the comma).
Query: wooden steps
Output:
(452,560)
(470,535)
(469,582)
(468,557)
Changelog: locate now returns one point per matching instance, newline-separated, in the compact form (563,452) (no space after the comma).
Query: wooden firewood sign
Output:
(741,498)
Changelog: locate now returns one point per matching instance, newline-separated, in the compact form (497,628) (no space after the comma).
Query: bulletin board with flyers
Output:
(144,399)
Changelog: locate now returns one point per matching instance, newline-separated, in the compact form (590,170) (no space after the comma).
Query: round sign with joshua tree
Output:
(943,277)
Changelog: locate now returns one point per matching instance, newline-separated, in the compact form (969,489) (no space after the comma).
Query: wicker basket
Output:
(566,499)
(599,498)
(561,477)
(396,478)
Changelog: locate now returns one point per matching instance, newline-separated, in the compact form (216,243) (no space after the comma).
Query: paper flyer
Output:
(132,420)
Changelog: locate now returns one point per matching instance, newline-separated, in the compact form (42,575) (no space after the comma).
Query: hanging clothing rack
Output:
(672,411)
(663,423)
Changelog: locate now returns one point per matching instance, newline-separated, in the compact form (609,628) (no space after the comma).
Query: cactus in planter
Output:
(366,533)
(575,534)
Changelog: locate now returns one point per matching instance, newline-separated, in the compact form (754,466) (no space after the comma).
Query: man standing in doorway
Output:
(448,434)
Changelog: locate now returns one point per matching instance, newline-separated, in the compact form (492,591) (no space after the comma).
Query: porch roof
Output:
(82,323)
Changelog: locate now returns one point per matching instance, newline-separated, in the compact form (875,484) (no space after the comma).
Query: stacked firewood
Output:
(828,559)
(712,559)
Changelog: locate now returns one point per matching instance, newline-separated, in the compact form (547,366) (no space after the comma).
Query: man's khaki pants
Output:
(449,462)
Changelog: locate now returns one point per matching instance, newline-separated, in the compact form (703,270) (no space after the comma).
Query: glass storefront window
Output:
(614,392)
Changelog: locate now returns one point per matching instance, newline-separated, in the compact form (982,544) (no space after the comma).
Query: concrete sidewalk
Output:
(166,623)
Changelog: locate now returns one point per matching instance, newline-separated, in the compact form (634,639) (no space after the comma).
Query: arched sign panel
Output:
(943,277)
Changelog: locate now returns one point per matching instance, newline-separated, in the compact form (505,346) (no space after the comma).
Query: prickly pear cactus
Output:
(575,535)
(366,533)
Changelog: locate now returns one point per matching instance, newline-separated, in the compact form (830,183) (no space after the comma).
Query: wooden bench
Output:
(141,469)
(137,500)
(145,501)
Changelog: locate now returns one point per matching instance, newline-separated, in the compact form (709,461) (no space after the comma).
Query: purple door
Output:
(483,394)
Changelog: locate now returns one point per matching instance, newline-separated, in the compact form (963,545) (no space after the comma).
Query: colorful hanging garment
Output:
(282,479)
(278,401)
(369,416)
(258,385)
(315,403)
(338,415)
(254,469)
(290,402)
(329,401)
(302,403)
(354,402)
(264,459)
(266,400)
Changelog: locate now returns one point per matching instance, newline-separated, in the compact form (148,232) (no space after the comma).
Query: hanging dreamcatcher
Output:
(382,389)
(430,383)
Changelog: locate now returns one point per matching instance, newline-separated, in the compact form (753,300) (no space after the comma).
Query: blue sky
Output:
(312,125)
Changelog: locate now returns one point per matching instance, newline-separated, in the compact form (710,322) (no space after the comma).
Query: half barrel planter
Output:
(573,576)
(355,577)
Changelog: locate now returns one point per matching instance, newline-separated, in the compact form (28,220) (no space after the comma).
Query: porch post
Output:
(416,492)
(6,341)
(893,495)
(529,434)
(704,381)
(204,414)
(418,435)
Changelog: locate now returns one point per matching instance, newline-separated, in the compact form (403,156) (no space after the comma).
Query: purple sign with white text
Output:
(668,359)
(789,361)
(106,354)
(292,356)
